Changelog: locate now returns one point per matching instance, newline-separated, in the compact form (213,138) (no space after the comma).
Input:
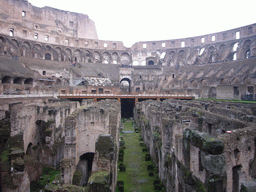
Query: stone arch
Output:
(115,58)
(17,80)
(185,84)
(246,49)
(29,149)
(123,85)
(171,56)
(212,93)
(247,80)
(77,55)
(38,51)
(48,48)
(236,81)
(87,55)
(204,83)
(151,62)
(181,57)
(106,58)
(194,84)
(97,57)
(224,81)
(59,54)
(26,49)
(68,55)
(28,81)
(6,79)
(211,57)
(2,44)
(48,56)
(125,58)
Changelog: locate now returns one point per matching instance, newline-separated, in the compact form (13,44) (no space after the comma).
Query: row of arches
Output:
(17,80)
(60,53)
(235,50)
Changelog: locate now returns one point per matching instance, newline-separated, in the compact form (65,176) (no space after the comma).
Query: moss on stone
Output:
(101,177)
(204,141)
(76,178)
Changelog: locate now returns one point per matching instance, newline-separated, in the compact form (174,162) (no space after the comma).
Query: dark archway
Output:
(17,80)
(6,79)
(48,56)
(28,81)
(84,169)
(127,106)
(150,62)
(125,85)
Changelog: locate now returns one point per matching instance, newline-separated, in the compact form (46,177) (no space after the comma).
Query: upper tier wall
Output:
(18,18)
(224,36)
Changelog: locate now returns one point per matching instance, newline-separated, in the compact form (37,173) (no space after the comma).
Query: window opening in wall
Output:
(71,23)
(11,32)
(235,57)
(25,33)
(201,51)
(48,56)
(210,128)
(163,44)
(76,41)
(46,37)
(144,45)
(237,35)
(36,26)
(86,43)
(153,45)
(248,54)
(150,62)
(202,40)
(105,45)
(95,44)
(235,46)
(100,90)
(23,13)
(137,89)
(36,36)
(182,44)
(173,43)
(173,76)
(213,38)
(93,91)
(250,89)
(114,45)
(44,72)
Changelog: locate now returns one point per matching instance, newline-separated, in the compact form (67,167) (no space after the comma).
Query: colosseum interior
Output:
(63,93)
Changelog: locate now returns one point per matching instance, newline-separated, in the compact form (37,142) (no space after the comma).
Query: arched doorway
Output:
(212,93)
(125,85)
(48,56)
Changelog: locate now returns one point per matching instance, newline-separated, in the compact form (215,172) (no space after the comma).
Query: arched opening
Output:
(29,149)
(17,80)
(48,56)
(150,62)
(212,93)
(248,54)
(125,85)
(6,79)
(83,169)
(28,81)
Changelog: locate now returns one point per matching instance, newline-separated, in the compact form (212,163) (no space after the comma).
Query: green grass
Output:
(128,125)
(136,177)
(226,100)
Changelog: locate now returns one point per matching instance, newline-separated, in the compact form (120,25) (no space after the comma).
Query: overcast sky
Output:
(131,21)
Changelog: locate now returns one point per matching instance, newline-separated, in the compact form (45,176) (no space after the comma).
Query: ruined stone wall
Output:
(199,145)
(93,129)
(36,139)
